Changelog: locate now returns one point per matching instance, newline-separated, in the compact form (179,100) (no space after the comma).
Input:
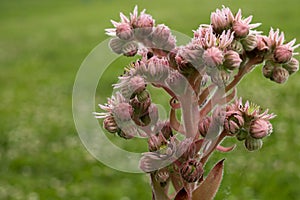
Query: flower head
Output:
(242,27)
(221,19)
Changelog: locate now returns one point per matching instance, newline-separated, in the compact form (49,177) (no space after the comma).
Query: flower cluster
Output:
(201,79)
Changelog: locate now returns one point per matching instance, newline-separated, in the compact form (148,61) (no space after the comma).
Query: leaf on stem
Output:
(209,187)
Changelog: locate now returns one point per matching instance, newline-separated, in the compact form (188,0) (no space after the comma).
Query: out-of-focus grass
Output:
(41,47)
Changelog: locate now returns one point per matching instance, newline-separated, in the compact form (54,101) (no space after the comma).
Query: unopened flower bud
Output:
(250,42)
(137,84)
(213,57)
(160,35)
(140,107)
(191,171)
(143,96)
(268,68)
(143,25)
(116,45)
(236,46)
(283,53)
(130,49)
(110,124)
(204,126)
(122,112)
(260,128)
(263,43)
(232,60)
(220,77)
(167,130)
(240,28)
(162,176)
(234,122)
(170,44)
(156,141)
(242,135)
(221,19)
(292,66)
(253,144)
(124,31)
(280,75)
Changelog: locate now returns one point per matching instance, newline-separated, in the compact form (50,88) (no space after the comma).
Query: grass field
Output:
(43,43)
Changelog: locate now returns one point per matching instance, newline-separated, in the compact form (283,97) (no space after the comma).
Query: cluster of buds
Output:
(201,78)
(246,122)
(134,33)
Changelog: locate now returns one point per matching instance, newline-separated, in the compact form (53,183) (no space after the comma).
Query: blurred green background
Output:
(42,44)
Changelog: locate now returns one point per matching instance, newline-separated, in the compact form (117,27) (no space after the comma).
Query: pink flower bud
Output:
(250,42)
(136,84)
(213,57)
(292,66)
(116,45)
(130,49)
(143,25)
(283,54)
(160,35)
(155,142)
(110,124)
(192,170)
(232,60)
(140,107)
(260,128)
(280,75)
(240,28)
(234,122)
(124,31)
(253,144)
(221,19)
(122,112)
(204,126)
(263,43)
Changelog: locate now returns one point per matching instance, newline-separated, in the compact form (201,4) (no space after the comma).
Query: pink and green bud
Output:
(220,77)
(260,128)
(292,66)
(236,46)
(250,42)
(143,25)
(268,68)
(122,112)
(240,28)
(234,122)
(110,124)
(160,35)
(283,54)
(124,31)
(280,75)
(136,84)
(253,144)
(213,57)
(191,170)
(155,142)
(204,126)
(140,107)
(221,19)
(232,60)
